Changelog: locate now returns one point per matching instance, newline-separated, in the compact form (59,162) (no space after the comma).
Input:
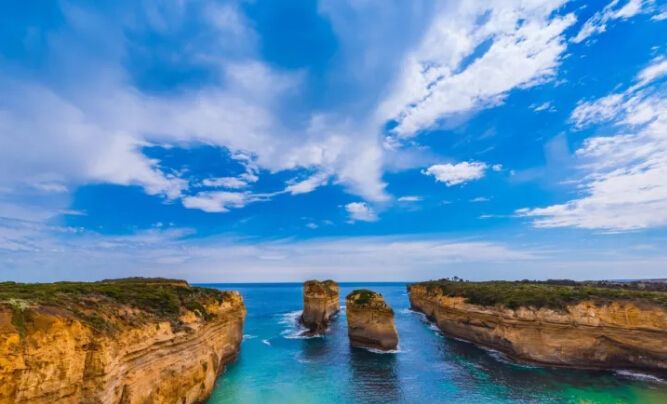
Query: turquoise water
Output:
(275,366)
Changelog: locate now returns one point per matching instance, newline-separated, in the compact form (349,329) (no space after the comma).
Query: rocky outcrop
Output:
(133,341)
(370,321)
(589,334)
(321,302)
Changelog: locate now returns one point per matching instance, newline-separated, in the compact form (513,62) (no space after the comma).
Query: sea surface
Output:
(277,365)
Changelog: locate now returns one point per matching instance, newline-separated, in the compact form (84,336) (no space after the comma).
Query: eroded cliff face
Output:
(370,321)
(51,354)
(615,335)
(321,301)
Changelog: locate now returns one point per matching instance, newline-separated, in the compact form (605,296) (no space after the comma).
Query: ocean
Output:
(277,365)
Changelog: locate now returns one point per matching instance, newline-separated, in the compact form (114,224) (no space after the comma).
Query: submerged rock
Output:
(590,328)
(125,341)
(321,301)
(370,321)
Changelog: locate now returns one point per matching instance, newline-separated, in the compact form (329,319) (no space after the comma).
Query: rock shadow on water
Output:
(374,376)
(316,350)
(489,369)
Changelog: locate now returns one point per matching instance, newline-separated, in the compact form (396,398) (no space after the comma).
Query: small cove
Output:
(276,365)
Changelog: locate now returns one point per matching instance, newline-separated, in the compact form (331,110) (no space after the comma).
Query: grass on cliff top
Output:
(327,286)
(362,296)
(92,302)
(327,282)
(551,294)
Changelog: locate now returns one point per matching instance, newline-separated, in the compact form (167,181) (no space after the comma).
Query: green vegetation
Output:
(552,294)
(95,303)
(362,296)
(328,287)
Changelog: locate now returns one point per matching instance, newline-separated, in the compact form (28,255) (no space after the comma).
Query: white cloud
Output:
(454,174)
(615,10)
(623,187)
(480,199)
(34,252)
(308,185)
(600,110)
(360,211)
(545,106)
(497,167)
(525,46)
(410,198)
(656,70)
(218,201)
(91,129)
(48,187)
(225,182)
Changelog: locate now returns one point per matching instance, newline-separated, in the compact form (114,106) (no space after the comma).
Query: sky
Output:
(365,140)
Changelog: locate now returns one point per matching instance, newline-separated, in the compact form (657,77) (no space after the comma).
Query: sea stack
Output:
(370,321)
(125,341)
(321,301)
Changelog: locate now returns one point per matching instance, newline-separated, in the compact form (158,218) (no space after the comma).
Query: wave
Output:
(293,327)
(380,351)
(249,336)
(640,376)
(266,342)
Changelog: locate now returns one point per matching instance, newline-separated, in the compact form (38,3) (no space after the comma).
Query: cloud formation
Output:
(455,174)
(512,44)
(360,211)
(615,10)
(623,187)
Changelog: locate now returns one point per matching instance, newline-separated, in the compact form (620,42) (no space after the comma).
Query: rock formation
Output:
(370,321)
(125,341)
(321,301)
(612,333)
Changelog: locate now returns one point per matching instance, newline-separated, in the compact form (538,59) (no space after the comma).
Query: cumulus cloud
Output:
(454,174)
(616,10)
(360,211)
(512,44)
(623,187)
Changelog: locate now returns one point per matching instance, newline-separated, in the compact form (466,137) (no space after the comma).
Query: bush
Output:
(553,294)
(95,303)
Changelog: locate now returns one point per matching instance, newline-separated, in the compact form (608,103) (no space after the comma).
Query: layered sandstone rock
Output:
(370,321)
(614,334)
(321,301)
(133,341)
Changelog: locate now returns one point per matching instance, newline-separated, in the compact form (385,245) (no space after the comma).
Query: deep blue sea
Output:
(278,366)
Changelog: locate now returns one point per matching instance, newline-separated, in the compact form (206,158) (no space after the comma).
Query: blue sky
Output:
(360,140)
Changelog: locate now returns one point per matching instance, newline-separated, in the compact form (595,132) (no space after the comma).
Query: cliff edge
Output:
(321,301)
(370,321)
(123,341)
(572,326)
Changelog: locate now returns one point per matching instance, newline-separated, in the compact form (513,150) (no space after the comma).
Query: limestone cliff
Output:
(321,301)
(592,333)
(128,341)
(370,321)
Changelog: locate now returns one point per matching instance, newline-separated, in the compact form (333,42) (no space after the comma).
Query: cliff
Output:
(370,321)
(125,341)
(568,326)
(321,301)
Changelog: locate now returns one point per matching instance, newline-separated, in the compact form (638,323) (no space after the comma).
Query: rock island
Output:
(370,321)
